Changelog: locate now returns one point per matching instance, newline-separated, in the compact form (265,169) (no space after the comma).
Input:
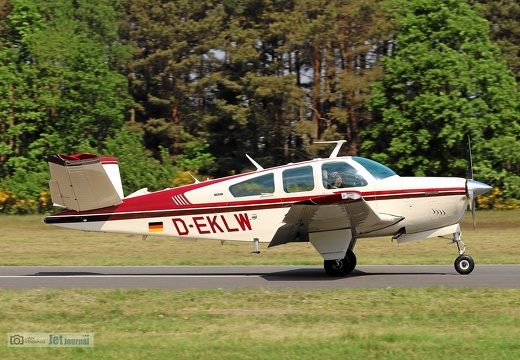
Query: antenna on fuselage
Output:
(258,167)
(335,152)
(194,178)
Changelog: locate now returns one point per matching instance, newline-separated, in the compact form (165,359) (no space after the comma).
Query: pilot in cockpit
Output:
(337,176)
(339,180)
(334,180)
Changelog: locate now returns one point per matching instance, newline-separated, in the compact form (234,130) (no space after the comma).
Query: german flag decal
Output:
(155,227)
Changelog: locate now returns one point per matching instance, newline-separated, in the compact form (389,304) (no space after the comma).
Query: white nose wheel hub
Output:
(464,264)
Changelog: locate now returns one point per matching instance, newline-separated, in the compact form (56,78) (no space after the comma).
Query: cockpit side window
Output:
(257,186)
(298,180)
(337,175)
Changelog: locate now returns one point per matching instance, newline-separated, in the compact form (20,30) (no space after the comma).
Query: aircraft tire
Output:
(341,267)
(352,259)
(464,264)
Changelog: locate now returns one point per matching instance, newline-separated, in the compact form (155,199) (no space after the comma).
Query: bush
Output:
(7,200)
(495,200)
(13,205)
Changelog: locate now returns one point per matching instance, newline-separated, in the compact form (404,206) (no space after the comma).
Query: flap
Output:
(331,212)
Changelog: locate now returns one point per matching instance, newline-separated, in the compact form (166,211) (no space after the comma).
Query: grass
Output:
(26,240)
(432,323)
(393,323)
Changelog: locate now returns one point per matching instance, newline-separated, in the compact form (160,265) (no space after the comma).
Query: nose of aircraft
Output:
(476,187)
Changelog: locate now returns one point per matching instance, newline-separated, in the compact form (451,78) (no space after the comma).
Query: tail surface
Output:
(84,182)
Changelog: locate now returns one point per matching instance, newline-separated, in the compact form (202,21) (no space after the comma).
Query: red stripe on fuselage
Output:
(412,193)
(151,206)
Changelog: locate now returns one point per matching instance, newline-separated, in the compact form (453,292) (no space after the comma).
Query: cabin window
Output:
(337,175)
(298,180)
(256,186)
(377,170)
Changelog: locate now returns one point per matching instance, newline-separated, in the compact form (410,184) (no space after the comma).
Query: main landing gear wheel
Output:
(341,267)
(464,264)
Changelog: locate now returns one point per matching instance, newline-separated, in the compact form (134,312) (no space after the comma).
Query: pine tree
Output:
(171,72)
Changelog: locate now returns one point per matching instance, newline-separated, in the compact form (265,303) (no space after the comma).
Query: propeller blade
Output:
(472,208)
(470,160)
(473,188)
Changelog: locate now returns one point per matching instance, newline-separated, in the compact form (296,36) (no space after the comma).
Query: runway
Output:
(252,277)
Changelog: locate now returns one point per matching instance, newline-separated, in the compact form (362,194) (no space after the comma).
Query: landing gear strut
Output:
(341,267)
(464,264)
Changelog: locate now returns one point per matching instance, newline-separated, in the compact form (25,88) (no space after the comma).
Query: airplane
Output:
(330,202)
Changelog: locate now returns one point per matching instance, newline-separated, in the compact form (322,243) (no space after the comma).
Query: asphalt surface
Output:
(252,277)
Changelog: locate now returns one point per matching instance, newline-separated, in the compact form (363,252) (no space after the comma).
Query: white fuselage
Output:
(252,206)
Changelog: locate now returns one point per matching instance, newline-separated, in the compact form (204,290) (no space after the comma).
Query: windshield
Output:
(377,170)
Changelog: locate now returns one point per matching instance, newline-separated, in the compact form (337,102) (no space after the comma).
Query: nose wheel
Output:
(464,264)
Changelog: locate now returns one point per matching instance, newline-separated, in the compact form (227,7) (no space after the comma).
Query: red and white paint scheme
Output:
(330,203)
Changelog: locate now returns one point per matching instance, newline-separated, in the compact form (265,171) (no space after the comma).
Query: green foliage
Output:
(203,82)
(194,156)
(13,205)
(27,187)
(59,89)
(174,52)
(495,200)
(62,82)
(503,17)
(444,80)
(138,170)
(28,191)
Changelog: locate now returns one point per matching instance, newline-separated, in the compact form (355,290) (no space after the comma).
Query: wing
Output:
(331,212)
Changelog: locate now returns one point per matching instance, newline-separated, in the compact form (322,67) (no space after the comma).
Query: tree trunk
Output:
(315,101)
